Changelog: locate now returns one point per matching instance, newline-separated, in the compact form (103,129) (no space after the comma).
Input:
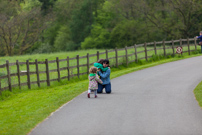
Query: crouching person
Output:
(105,77)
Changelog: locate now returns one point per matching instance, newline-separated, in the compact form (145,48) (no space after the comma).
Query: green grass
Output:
(198,93)
(22,110)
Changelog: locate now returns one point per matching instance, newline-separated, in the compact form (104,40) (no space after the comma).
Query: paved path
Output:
(154,101)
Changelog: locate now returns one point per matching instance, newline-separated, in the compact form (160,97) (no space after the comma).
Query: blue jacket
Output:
(200,37)
(105,76)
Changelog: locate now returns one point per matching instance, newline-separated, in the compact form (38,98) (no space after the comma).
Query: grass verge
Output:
(22,110)
(198,93)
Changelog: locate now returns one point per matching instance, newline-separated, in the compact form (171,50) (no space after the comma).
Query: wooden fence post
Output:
(195,43)
(164,48)
(155,47)
(68,68)
(47,73)
(180,42)
(18,73)
(116,55)
(37,72)
(28,75)
(98,55)
(136,60)
(88,64)
(77,65)
(58,68)
(145,47)
(188,46)
(106,54)
(173,47)
(8,75)
(126,56)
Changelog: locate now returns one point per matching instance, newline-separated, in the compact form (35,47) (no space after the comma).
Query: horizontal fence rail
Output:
(129,55)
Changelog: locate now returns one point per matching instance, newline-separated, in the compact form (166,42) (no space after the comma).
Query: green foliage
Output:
(130,32)
(43,48)
(106,23)
(51,33)
(106,17)
(101,29)
(123,34)
(197,51)
(46,5)
(21,26)
(5,94)
(63,40)
(2,52)
(100,38)
(198,93)
(82,20)
(30,4)
(155,57)
(88,43)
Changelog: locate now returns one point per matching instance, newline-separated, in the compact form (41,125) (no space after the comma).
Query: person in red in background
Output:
(200,42)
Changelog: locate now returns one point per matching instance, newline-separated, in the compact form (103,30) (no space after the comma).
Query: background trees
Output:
(85,24)
(20,27)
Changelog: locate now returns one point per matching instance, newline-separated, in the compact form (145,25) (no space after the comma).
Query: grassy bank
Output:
(22,110)
(198,93)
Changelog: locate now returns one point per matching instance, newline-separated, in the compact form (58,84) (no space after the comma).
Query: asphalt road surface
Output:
(154,101)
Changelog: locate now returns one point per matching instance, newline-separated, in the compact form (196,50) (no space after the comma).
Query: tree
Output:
(176,18)
(189,13)
(82,20)
(101,30)
(30,4)
(59,32)
(20,29)
(100,38)
(63,40)
(46,5)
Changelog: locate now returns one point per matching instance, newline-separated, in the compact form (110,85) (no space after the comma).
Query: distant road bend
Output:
(154,101)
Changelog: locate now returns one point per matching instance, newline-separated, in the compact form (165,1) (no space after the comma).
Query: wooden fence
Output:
(153,46)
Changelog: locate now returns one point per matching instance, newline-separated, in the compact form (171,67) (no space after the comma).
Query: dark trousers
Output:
(200,43)
(201,48)
(106,86)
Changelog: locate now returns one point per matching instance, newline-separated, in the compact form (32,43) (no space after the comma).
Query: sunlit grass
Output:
(198,93)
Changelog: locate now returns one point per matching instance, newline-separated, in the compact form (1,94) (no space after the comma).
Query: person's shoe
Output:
(88,95)
(95,96)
